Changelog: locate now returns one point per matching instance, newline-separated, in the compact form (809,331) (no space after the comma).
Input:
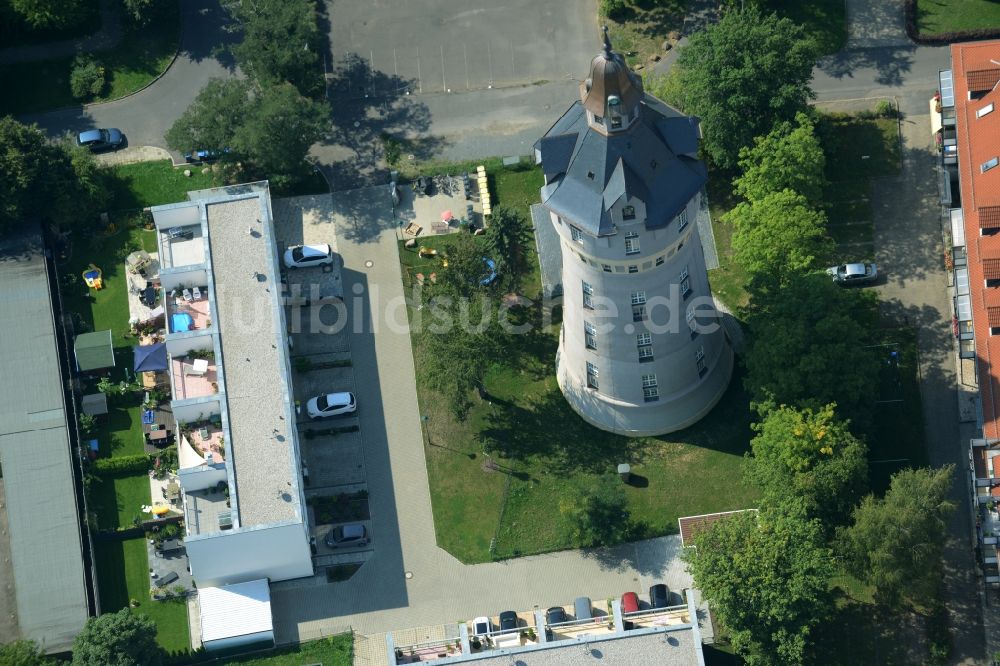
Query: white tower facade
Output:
(642,350)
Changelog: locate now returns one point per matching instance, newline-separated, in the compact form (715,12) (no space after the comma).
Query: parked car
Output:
(347,536)
(303,256)
(659,596)
(851,274)
(583,608)
(508,620)
(630,602)
(204,155)
(331,404)
(481,626)
(555,615)
(98,140)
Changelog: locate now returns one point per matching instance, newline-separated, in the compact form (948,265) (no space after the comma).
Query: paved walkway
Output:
(380,597)
(106,38)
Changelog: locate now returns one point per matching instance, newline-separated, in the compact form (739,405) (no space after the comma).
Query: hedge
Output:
(913,31)
(139,463)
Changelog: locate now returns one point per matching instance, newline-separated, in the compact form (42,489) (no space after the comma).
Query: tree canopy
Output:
(741,76)
(49,13)
(281,42)
(23,653)
(789,157)
(507,239)
(895,543)
(811,458)
(600,516)
(123,639)
(766,578)
(779,237)
(45,181)
(268,132)
(808,347)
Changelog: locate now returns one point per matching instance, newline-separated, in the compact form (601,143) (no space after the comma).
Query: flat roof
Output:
(254,360)
(978,141)
(235,610)
(39,488)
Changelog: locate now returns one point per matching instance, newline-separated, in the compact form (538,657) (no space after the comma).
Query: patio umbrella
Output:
(446,216)
(150,357)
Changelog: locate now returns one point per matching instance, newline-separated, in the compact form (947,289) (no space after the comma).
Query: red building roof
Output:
(976,73)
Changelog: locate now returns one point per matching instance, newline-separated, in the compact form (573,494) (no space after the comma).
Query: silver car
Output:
(851,274)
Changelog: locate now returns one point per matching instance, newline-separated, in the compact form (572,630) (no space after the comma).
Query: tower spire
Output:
(607,43)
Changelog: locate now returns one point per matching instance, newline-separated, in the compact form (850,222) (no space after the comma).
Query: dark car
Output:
(555,615)
(851,274)
(659,596)
(97,140)
(204,155)
(508,620)
(630,602)
(346,536)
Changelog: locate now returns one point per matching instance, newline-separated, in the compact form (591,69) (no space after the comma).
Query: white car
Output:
(481,626)
(304,256)
(331,404)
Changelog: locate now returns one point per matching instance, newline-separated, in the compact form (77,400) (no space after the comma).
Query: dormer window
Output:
(989,164)
(628,212)
(615,111)
(598,120)
(985,110)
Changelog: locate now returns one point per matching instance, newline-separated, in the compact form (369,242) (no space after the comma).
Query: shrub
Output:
(86,80)
(122,465)
(87,425)
(613,8)
(885,109)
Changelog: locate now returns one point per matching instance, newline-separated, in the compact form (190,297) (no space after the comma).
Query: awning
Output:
(935,117)
(150,358)
(957,227)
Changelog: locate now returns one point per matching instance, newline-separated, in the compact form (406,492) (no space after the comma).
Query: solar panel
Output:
(947,88)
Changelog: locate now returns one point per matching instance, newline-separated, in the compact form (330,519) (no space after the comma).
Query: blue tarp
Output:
(181,322)
(149,358)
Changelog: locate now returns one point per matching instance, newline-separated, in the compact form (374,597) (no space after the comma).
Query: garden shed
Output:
(94,351)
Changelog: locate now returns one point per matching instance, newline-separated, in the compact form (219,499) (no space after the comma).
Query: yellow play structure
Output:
(92,276)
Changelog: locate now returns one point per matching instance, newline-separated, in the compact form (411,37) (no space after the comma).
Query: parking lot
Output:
(332,448)
(423,46)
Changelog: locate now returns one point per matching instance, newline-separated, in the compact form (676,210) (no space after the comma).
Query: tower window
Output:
(598,120)
(592,376)
(628,212)
(576,234)
(590,335)
(685,282)
(659,261)
(638,312)
(606,267)
(699,359)
(633,269)
(588,294)
(692,322)
(615,111)
(644,345)
(631,243)
(650,391)
(638,297)
(682,219)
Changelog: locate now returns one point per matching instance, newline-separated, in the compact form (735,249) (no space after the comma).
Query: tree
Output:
(810,458)
(895,543)
(42,14)
(43,180)
(142,12)
(86,79)
(466,268)
(210,123)
(809,346)
(599,517)
(508,237)
(741,76)
(280,128)
(766,579)
(268,132)
(123,638)
(790,157)
(779,237)
(23,653)
(281,42)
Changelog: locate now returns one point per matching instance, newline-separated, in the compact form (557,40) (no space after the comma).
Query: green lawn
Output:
(138,59)
(640,29)
(729,280)
(937,16)
(550,453)
(333,651)
(123,572)
(156,183)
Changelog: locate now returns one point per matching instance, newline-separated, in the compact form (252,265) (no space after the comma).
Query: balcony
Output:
(182,246)
(188,315)
(205,437)
(193,377)
(207,511)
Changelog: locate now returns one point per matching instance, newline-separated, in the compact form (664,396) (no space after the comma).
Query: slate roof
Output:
(655,160)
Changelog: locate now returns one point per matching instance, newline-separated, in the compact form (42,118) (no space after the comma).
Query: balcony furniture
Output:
(196,292)
(197,369)
(186,294)
(158,435)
